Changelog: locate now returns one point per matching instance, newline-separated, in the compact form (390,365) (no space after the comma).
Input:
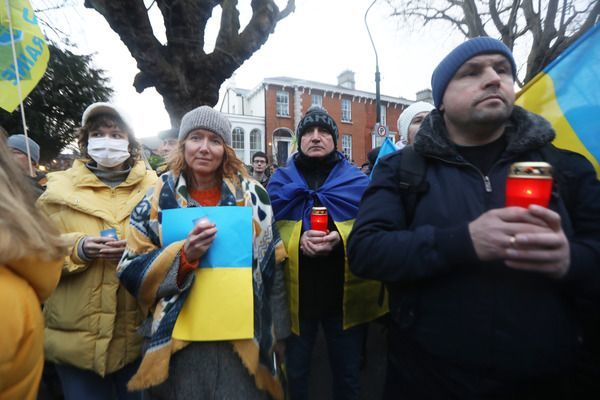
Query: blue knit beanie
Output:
(446,69)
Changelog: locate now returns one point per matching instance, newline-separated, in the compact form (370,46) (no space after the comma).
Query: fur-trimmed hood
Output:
(525,131)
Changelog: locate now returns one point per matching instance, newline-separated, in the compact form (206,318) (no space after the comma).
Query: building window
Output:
(255,141)
(347,146)
(383,115)
(346,110)
(283,104)
(237,142)
(317,100)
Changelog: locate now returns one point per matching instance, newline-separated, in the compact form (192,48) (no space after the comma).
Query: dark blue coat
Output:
(480,316)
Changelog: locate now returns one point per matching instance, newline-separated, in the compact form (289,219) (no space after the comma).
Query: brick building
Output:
(265,118)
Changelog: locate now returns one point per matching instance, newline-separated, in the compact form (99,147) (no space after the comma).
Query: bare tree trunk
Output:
(180,70)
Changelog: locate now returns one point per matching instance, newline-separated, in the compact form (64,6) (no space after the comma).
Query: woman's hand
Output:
(318,243)
(103,247)
(199,240)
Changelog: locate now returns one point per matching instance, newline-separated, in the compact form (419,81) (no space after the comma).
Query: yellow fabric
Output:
(220,306)
(92,321)
(360,303)
(540,99)
(24,284)
(31,51)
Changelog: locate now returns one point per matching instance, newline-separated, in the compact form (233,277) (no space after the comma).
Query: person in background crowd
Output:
(18,147)
(323,291)
(31,254)
(204,171)
(365,168)
(91,320)
(260,163)
(481,295)
(168,143)
(410,121)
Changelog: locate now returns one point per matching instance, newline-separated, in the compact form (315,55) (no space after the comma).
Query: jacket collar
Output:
(525,131)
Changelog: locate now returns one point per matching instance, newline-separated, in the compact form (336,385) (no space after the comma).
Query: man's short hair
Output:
(260,154)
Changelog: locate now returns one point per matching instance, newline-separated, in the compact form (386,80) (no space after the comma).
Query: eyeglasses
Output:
(259,162)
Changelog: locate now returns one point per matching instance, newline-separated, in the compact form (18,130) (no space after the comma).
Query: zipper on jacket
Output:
(487,183)
(486,180)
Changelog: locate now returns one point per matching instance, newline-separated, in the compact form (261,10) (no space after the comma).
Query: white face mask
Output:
(108,152)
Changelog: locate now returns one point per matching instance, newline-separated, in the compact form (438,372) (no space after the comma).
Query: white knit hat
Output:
(407,116)
(102,108)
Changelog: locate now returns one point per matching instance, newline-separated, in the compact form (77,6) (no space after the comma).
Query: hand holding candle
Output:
(529,183)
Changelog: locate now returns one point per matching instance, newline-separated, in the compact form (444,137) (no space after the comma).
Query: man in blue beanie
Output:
(481,295)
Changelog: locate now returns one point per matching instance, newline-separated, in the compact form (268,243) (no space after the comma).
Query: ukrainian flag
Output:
(567,93)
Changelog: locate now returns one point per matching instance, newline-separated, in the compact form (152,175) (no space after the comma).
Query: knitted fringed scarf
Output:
(149,270)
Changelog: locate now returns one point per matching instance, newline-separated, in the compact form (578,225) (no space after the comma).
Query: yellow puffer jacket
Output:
(91,320)
(24,285)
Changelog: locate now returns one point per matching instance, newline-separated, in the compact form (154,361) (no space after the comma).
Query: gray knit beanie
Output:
(17,142)
(208,118)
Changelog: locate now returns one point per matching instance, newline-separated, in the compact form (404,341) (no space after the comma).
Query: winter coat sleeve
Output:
(381,246)
(584,242)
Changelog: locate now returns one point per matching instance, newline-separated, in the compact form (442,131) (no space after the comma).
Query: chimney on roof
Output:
(346,79)
(425,95)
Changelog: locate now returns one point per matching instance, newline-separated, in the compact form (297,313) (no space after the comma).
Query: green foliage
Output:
(155,161)
(53,109)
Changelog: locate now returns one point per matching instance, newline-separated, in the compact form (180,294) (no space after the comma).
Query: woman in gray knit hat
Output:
(204,171)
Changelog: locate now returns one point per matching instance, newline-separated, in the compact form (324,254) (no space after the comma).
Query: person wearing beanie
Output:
(410,121)
(205,172)
(18,147)
(323,291)
(482,295)
(91,321)
(168,141)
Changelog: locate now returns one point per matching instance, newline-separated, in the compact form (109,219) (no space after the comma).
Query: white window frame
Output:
(347,146)
(346,110)
(255,134)
(282,103)
(236,134)
(316,99)
(383,111)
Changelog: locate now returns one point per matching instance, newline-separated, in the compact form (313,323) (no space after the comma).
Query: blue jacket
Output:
(478,315)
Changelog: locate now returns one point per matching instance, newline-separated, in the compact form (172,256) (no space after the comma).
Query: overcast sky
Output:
(317,42)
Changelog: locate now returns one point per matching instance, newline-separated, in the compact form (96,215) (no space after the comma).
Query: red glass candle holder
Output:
(319,219)
(529,183)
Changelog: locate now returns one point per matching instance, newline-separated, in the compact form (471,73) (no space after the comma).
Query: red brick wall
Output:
(363,118)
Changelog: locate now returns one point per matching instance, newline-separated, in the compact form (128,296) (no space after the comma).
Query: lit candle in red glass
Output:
(318,219)
(529,183)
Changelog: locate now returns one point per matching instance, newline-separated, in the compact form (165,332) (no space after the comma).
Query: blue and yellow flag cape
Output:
(567,93)
(292,201)
(31,50)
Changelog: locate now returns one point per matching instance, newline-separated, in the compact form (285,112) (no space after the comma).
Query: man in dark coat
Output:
(481,295)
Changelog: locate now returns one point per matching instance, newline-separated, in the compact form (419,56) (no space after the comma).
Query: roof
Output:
(295,82)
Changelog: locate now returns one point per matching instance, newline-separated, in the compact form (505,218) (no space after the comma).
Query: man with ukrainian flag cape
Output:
(322,290)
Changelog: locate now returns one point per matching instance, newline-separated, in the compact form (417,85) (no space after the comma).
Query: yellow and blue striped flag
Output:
(567,93)
(31,52)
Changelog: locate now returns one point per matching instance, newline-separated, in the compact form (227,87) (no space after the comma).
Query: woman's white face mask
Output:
(108,152)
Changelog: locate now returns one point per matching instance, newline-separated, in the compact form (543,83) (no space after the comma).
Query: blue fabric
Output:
(292,199)
(84,384)
(344,348)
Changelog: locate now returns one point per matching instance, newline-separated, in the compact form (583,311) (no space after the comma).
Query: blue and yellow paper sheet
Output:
(220,304)
(567,93)
(31,52)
